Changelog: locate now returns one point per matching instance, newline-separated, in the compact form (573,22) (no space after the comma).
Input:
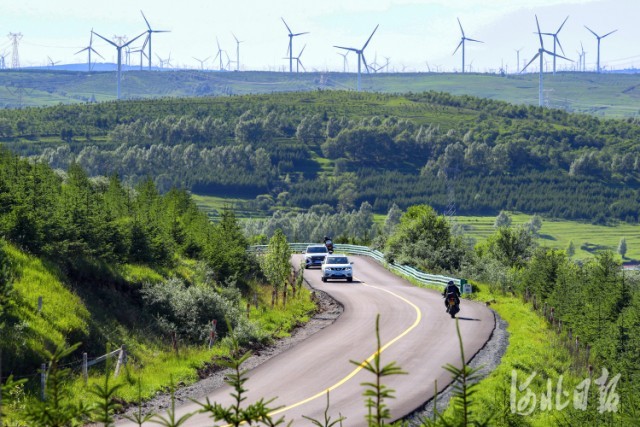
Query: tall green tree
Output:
(276,263)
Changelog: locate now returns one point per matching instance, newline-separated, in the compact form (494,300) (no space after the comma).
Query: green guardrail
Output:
(420,276)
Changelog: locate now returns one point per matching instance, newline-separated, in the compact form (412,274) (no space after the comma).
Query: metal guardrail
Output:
(424,278)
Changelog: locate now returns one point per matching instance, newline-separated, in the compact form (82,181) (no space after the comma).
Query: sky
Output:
(415,35)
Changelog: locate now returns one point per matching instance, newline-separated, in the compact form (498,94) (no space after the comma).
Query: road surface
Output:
(415,332)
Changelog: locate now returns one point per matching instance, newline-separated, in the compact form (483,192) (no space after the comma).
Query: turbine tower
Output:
(15,40)
(298,61)
(540,54)
(556,41)
(345,62)
(119,46)
(219,55)
(599,38)
(517,58)
(89,49)
(290,49)
(360,53)
(462,43)
(142,55)
(237,51)
(149,32)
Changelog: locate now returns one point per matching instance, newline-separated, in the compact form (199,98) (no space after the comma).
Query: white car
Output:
(315,255)
(337,266)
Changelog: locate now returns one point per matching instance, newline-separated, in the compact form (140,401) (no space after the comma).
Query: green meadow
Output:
(587,238)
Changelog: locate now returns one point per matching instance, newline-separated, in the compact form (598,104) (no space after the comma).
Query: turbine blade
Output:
(81,50)
(369,39)
(145,20)
(146,41)
(105,39)
(346,48)
(563,22)
(300,54)
(559,44)
(474,40)
(459,44)
(235,38)
(364,61)
(96,52)
(592,32)
(460,24)
(539,33)
(299,34)
(134,39)
(160,31)
(285,24)
(609,33)
(556,55)
(532,59)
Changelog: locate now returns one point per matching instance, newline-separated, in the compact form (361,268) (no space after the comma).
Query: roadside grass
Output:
(212,205)
(533,347)
(63,313)
(556,234)
(156,365)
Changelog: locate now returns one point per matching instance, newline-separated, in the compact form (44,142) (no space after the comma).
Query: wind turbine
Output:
(556,41)
(90,49)
(142,54)
(51,62)
(462,43)
(299,62)
(540,54)
(290,50)
(360,53)
(345,62)
(149,32)
(583,58)
(518,58)
(118,47)
(201,61)
(219,55)
(599,38)
(237,51)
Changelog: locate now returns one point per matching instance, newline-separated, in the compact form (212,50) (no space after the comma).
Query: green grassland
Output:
(557,234)
(608,95)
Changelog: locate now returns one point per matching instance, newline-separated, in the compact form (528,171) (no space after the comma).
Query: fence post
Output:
(212,332)
(40,304)
(174,341)
(122,360)
(248,309)
(85,371)
(255,300)
(43,381)
(273,298)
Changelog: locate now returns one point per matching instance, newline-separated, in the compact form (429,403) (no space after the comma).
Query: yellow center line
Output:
(369,359)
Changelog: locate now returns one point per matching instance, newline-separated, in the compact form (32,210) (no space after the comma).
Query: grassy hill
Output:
(606,95)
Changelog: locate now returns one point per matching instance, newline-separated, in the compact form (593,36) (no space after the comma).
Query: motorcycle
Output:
(329,245)
(453,305)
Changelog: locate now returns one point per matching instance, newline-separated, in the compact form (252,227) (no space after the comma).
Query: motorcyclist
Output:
(451,289)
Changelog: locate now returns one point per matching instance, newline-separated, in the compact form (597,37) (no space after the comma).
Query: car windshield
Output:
(317,249)
(338,260)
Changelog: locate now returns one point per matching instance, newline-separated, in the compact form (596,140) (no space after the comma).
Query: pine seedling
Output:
(237,414)
(170,419)
(138,417)
(106,405)
(376,392)
(327,422)
(56,410)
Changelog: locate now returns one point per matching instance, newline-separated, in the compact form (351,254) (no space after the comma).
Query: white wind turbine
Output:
(119,46)
(462,43)
(360,53)
(556,40)
(540,54)
(90,49)
(290,49)
(599,38)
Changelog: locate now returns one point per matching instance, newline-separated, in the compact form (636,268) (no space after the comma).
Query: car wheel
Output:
(349,279)
(324,279)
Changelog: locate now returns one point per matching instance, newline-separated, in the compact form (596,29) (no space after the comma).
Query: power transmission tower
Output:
(15,40)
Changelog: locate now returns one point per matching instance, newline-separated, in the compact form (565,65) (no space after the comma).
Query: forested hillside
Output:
(341,149)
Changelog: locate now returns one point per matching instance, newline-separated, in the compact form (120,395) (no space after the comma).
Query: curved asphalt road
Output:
(415,332)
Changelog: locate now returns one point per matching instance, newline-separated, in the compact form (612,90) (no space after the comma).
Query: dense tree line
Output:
(402,149)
